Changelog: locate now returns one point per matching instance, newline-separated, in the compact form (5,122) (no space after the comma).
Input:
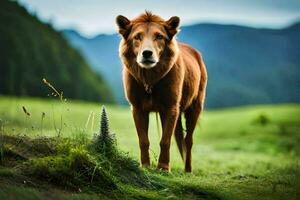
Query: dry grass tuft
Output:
(55,92)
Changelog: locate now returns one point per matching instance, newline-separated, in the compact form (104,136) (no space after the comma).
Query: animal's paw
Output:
(146,165)
(164,167)
(188,169)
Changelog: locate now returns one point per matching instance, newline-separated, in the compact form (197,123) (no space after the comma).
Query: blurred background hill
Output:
(31,50)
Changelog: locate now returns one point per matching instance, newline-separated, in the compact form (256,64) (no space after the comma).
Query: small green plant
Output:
(80,136)
(104,142)
(262,119)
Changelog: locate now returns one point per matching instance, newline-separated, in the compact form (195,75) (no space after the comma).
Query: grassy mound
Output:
(94,166)
(62,163)
(74,169)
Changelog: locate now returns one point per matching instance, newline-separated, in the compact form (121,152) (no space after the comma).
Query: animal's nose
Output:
(147,53)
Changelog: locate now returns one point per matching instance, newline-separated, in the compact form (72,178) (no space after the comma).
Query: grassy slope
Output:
(233,157)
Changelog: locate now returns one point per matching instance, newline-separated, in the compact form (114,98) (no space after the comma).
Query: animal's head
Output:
(147,36)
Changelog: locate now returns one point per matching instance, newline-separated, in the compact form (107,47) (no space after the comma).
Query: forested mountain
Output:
(248,65)
(31,50)
(245,65)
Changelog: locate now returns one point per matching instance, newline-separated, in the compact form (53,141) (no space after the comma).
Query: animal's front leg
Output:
(168,118)
(141,120)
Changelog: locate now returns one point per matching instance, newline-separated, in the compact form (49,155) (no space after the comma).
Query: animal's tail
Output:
(179,132)
(179,137)
(203,82)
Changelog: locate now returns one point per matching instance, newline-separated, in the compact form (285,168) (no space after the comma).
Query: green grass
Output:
(240,153)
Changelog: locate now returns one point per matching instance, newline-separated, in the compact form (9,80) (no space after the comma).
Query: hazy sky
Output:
(91,17)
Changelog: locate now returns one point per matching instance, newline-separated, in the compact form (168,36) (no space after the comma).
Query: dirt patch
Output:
(19,149)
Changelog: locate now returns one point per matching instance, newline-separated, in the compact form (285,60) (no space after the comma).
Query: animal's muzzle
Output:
(147,58)
(147,54)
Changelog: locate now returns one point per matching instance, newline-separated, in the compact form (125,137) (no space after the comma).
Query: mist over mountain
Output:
(245,65)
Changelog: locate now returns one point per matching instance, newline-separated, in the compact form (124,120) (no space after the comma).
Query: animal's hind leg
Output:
(191,116)
(179,137)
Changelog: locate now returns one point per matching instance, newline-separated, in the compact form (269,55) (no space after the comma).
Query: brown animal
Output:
(161,76)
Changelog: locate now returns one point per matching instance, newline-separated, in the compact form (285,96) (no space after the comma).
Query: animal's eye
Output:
(159,37)
(137,37)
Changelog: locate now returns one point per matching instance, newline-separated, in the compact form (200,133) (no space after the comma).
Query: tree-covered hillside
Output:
(31,50)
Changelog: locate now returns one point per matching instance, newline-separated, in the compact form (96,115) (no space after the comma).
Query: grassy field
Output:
(241,153)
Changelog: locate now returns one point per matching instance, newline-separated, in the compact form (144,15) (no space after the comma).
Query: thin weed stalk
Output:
(92,125)
(88,120)
(42,122)
(58,94)
(26,117)
(1,141)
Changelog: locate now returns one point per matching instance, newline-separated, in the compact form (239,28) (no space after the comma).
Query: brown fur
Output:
(176,85)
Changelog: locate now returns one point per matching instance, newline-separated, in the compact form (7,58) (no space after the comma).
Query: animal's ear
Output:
(123,25)
(172,26)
